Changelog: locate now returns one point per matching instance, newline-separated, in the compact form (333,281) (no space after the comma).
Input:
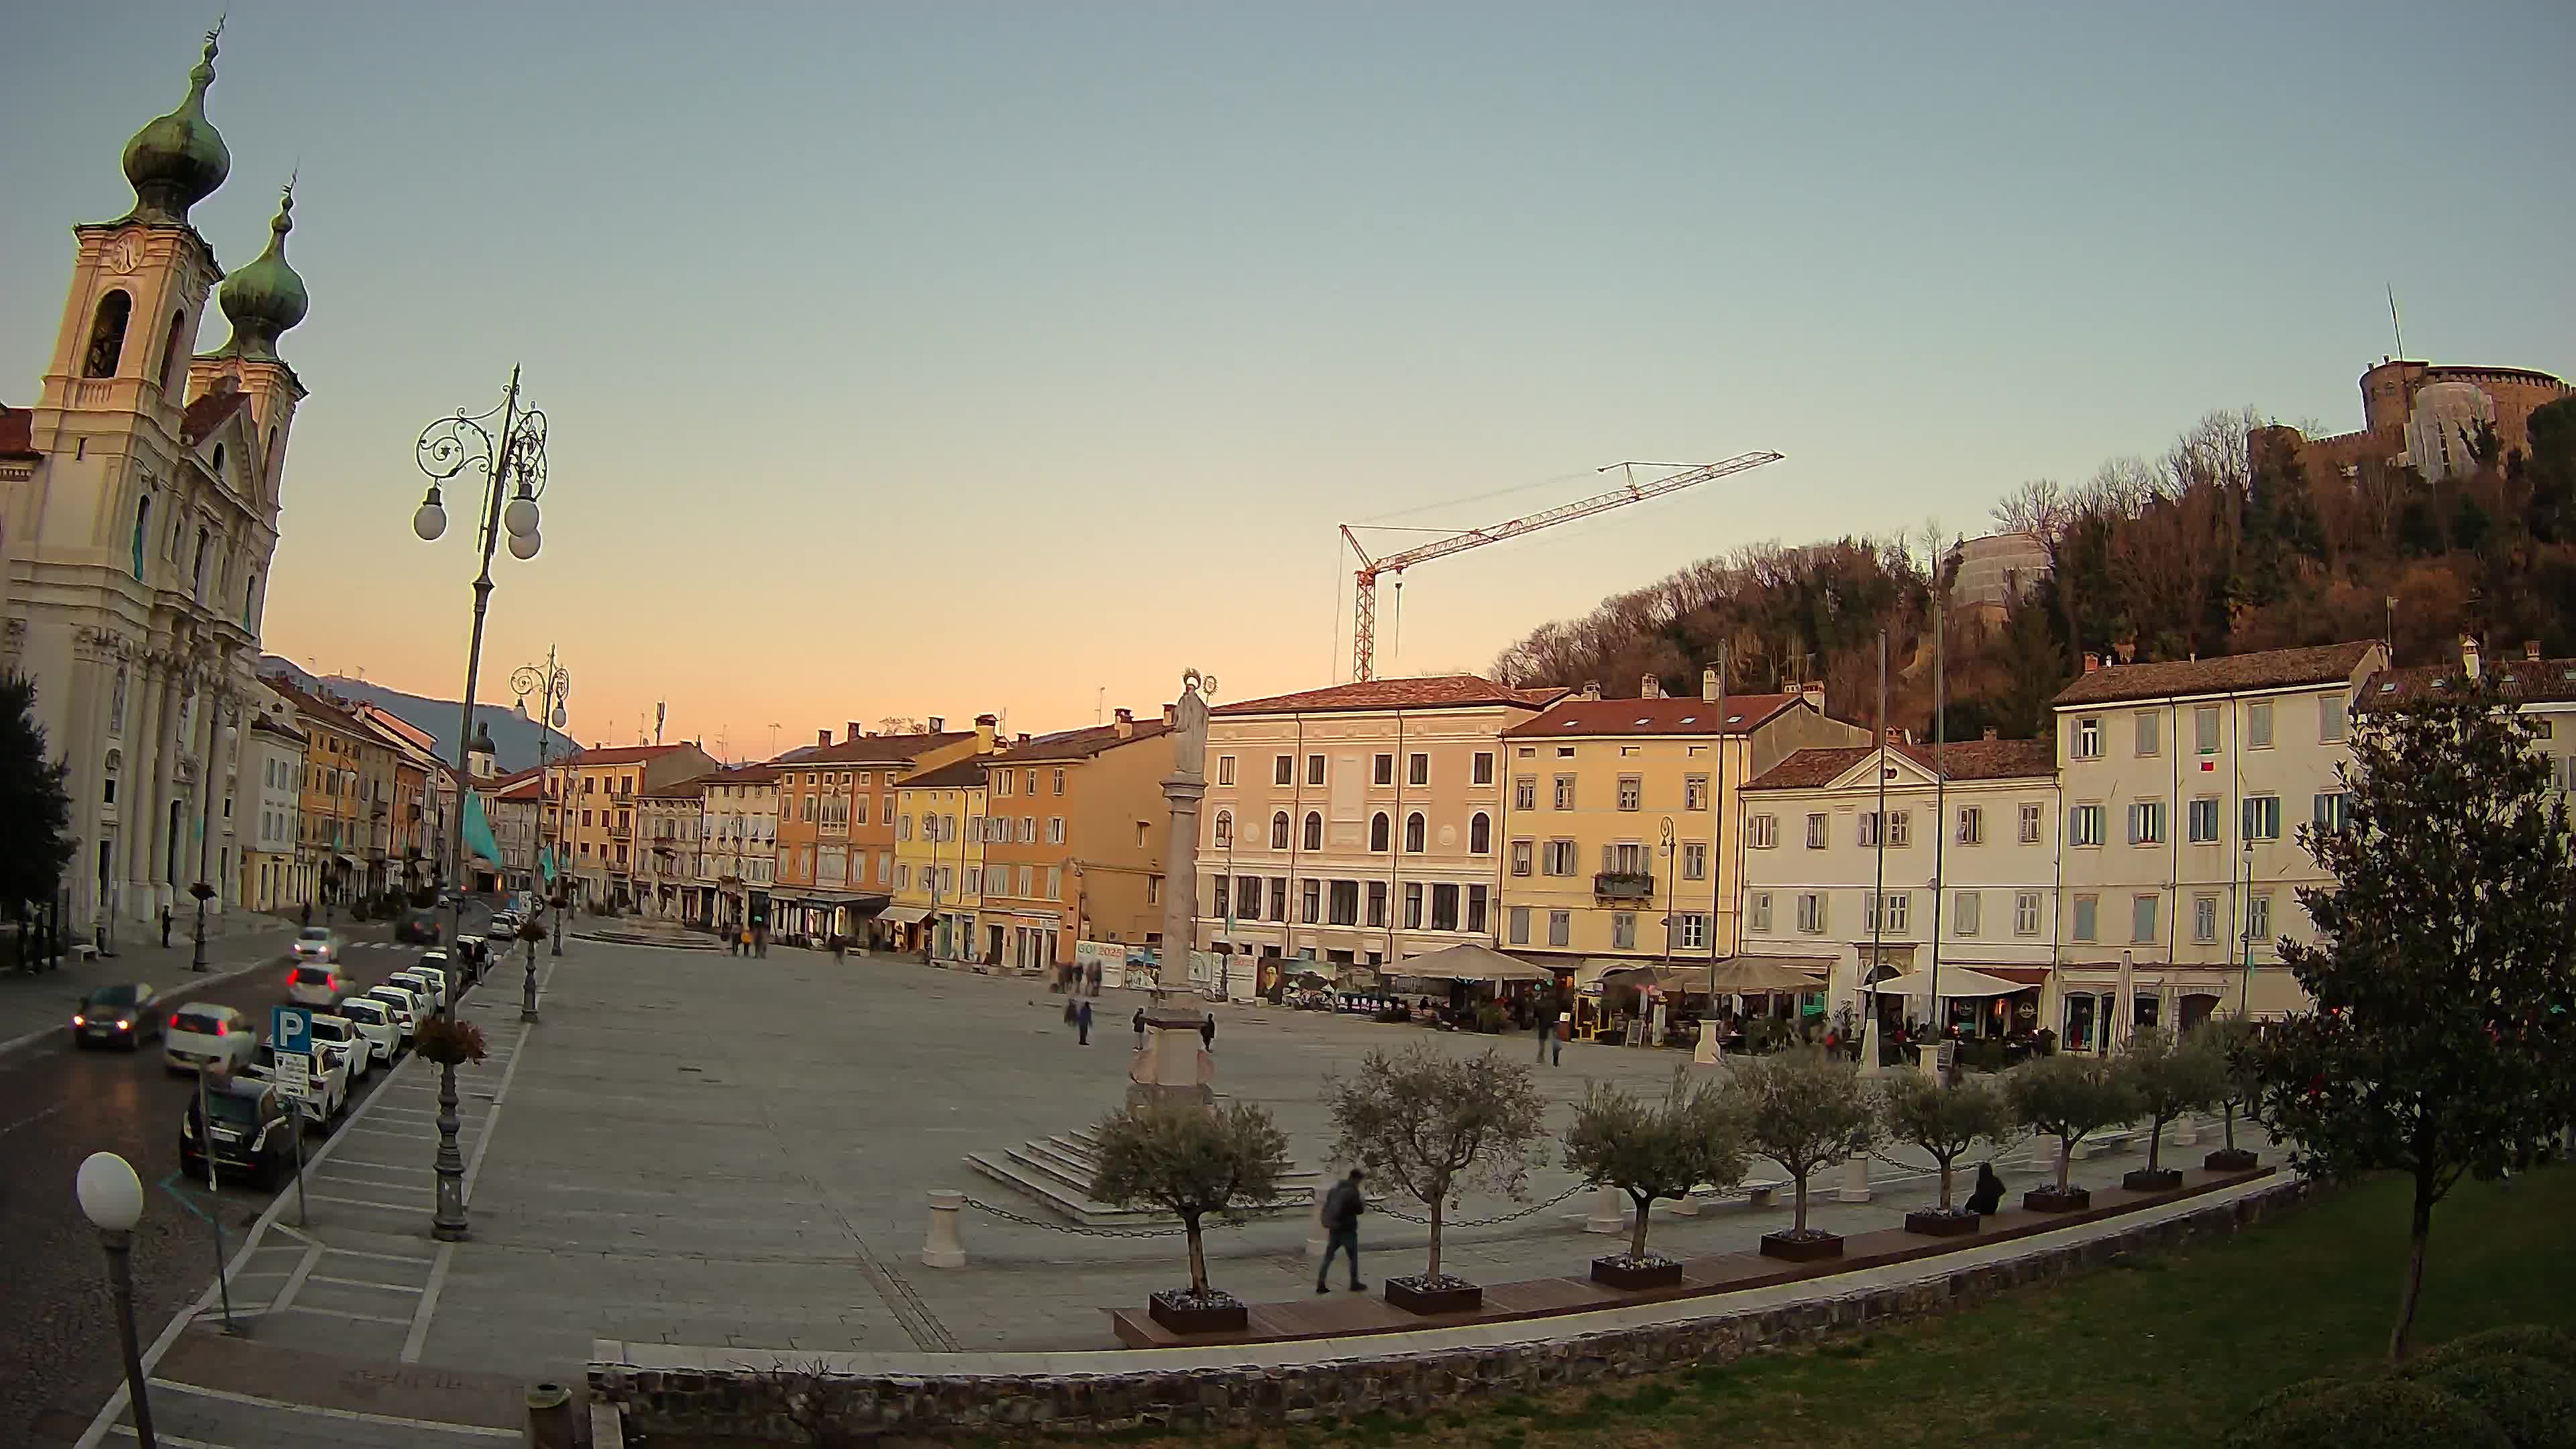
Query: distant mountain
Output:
(515,740)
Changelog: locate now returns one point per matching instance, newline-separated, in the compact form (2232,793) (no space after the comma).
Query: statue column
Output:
(1175,1066)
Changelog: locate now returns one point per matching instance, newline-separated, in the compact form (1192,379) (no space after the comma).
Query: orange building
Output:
(1074,829)
(836,823)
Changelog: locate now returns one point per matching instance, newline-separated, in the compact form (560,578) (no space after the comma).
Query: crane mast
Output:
(1364,598)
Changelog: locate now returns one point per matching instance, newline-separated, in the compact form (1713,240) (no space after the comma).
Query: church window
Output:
(142,516)
(250,599)
(219,462)
(205,541)
(107,334)
(170,352)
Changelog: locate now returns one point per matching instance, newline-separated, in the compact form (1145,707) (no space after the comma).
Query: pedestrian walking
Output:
(1546,1029)
(1556,1043)
(165,928)
(308,912)
(1342,1209)
(1140,1028)
(1207,1032)
(840,950)
(1095,978)
(1082,1025)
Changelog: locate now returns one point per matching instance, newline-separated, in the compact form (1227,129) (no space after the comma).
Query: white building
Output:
(1964,884)
(138,511)
(2184,786)
(270,810)
(738,845)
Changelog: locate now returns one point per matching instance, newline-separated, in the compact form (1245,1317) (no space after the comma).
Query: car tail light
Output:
(291,976)
(222,1027)
(174,1018)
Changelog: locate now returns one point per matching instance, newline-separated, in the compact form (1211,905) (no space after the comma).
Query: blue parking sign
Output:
(290,1029)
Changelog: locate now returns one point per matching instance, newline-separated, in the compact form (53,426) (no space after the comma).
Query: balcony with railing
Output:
(1623,885)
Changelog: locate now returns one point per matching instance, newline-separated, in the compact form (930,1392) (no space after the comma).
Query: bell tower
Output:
(262,301)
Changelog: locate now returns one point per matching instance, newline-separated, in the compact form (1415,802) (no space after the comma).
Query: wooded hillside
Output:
(2199,551)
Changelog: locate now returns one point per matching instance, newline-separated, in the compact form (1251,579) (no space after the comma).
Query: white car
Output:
(335,1034)
(374,1021)
(318,984)
(206,1037)
(329,1076)
(427,980)
(316,943)
(407,1006)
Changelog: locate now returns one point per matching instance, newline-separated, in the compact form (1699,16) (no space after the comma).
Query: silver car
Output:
(316,943)
(208,1038)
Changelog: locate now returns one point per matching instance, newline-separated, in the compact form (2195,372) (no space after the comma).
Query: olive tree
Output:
(2439,1045)
(1192,1163)
(2069,1097)
(1804,1110)
(1652,1150)
(2169,1075)
(2230,1040)
(1945,1121)
(1433,1123)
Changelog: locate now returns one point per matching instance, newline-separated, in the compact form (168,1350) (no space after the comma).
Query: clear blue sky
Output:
(954,357)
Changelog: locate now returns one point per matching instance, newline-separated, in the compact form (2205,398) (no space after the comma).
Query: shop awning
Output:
(1649,974)
(1468,961)
(1760,975)
(1956,981)
(348,860)
(905,915)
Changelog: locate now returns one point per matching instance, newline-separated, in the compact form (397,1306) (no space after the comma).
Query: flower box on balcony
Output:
(1623,885)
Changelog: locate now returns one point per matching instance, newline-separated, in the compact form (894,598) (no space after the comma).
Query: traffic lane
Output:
(60,1355)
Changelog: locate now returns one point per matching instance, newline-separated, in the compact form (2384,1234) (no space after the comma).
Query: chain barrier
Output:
(1079,1230)
(1405,1217)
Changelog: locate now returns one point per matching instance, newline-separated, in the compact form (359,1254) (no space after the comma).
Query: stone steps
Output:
(1056,1173)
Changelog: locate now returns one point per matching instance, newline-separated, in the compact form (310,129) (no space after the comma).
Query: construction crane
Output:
(1364,601)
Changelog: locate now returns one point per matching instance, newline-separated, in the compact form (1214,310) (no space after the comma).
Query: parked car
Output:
(120,1015)
(407,1007)
(374,1020)
(251,1132)
(321,985)
(332,1031)
(328,1074)
(417,928)
(315,943)
(429,978)
(473,953)
(205,1037)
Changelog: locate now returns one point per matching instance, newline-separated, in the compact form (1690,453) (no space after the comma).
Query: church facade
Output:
(138,513)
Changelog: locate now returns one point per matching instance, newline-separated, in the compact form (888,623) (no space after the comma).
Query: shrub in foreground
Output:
(2532,1400)
(2374,1414)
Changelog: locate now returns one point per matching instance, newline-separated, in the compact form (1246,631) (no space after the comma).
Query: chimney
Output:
(1023,738)
(985,725)
(1650,687)
(1125,724)
(822,737)
(2531,651)
(1591,690)
(1708,686)
(938,725)
(2092,662)
(2469,655)
(2126,650)
(1813,691)
(1993,733)
(852,732)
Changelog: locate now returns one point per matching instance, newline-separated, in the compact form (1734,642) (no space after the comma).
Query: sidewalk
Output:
(33,1006)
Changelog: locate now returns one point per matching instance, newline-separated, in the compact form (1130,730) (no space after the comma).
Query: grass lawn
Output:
(2167,1350)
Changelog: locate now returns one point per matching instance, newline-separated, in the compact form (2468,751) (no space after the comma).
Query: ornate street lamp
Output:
(111,1197)
(552,684)
(513,465)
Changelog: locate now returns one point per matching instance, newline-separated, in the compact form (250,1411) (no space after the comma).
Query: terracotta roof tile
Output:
(956,775)
(208,413)
(2538,681)
(623,754)
(874,749)
(1079,744)
(1577,718)
(1966,760)
(1445,691)
(2226,674)
(739,775)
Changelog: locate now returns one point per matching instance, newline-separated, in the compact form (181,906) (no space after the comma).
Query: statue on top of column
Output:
(1190,725)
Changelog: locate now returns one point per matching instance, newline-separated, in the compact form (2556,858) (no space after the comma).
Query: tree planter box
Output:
(2162,1179)
(1438,1295)
(2231,1159)
(1623,1272)
(2050,1200)
(1182,1312)
(1816,1247)
(1934,1223)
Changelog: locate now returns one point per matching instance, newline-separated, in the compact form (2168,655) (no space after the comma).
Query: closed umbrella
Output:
(2124,1010)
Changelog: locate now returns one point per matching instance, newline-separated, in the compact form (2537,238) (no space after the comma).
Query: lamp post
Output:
(1672,905)
(111,1197)
(513,465)
(553,686)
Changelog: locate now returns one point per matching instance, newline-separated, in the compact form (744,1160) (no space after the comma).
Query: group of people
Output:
(1078,979)
(751,938)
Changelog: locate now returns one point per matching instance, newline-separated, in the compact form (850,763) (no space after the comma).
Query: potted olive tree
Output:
(1945,1121)
(1192,1163)
(1805,1111)
(1433,1123)
(2070,1098)
(2168,1075)
(2231,1040)
(1652,1150)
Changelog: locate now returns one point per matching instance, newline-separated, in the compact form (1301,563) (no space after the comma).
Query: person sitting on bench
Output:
(1989,1196)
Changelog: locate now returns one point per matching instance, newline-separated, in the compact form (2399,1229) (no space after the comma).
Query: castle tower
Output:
(133,553)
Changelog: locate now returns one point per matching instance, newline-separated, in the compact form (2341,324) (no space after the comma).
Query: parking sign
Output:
(290,1029)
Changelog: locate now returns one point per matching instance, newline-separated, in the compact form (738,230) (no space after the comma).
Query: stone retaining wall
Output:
(769,1406)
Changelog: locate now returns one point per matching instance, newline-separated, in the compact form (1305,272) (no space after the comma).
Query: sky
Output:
(942,358)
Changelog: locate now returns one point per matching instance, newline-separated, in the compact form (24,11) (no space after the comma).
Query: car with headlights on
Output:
(118,1016)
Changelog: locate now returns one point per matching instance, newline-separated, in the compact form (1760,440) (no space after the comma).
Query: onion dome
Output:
(266,297)
(179,159)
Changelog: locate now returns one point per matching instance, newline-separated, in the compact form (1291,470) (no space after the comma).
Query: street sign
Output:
(290,1029)
(293,1074)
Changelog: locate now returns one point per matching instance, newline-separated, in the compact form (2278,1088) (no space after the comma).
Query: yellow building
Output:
(1074,841)
(939,858)
(595,840)
(1619,818)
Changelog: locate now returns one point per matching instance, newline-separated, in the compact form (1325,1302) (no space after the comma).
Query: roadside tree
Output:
(35,809)
(1945,1121)
(1193,1163)
(2168,1075)
(1805,1111)
(1433,1123)
(1652,1150)
(2068,1097)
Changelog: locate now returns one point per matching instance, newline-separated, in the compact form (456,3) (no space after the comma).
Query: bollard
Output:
(1686,1206)
(943,1249)
(1609,1211)
(2186,1131)
(550,1418)
(1855,1186)
(1316,1237)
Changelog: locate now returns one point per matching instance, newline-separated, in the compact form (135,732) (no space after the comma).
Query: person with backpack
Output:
(1342,1208)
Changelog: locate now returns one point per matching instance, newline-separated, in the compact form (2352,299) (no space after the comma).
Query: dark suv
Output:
(253,1133)
(417,928)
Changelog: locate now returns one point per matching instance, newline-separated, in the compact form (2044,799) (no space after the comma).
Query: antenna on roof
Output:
(2394,325)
